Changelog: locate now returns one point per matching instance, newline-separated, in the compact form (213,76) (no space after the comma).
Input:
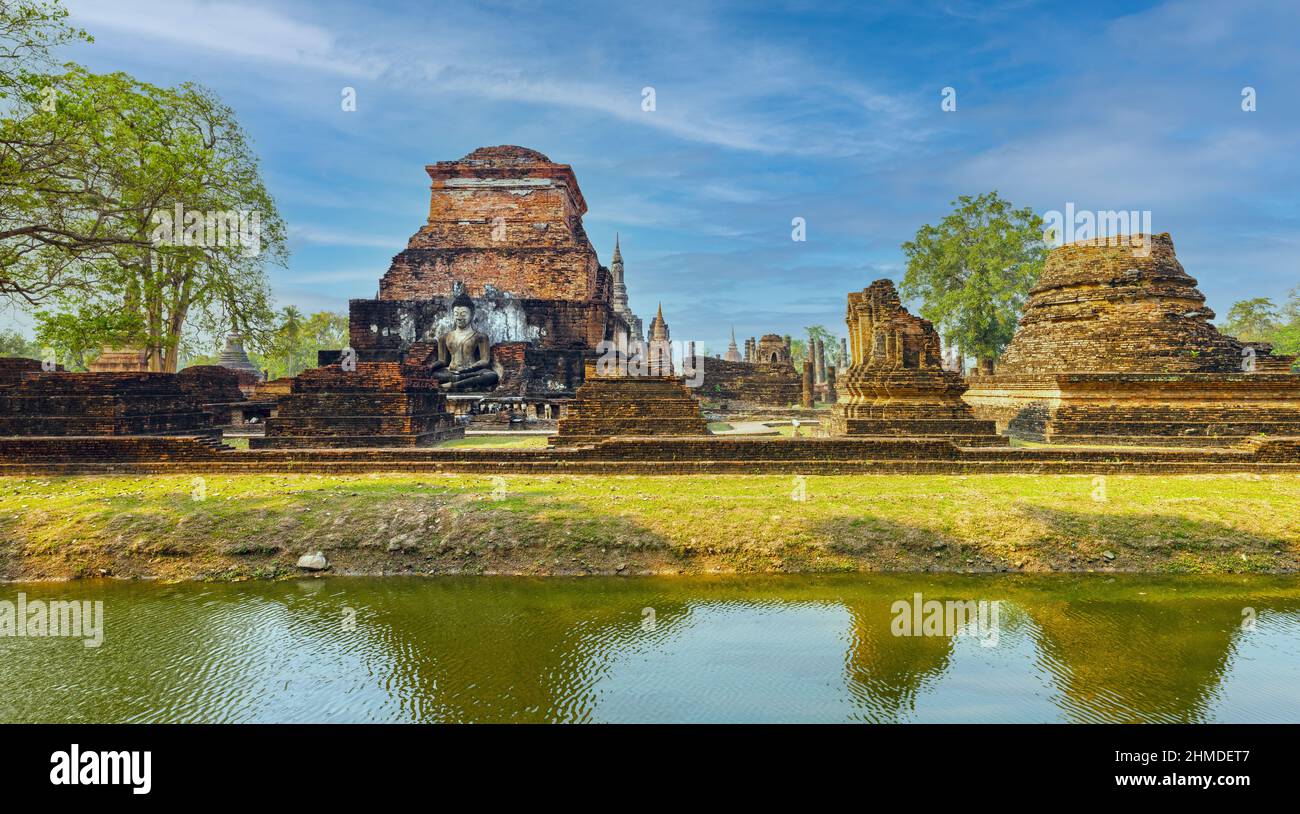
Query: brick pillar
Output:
(807,400)
(819,363)
(830,385)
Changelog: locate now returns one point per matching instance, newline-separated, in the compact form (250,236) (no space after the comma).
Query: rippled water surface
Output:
(795,648)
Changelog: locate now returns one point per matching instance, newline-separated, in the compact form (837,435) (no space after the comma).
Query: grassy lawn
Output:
(497,441)
(232,527)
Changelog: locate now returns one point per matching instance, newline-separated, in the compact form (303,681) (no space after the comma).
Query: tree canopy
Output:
(973,271)
(132,213)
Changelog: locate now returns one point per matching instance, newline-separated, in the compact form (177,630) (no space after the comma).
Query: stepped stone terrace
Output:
(380,404)
(1116,346)
(623,405)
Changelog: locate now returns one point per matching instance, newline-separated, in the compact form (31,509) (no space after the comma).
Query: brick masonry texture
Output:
(504,226)
(656,455)
(1117,347)
(896,384)
(61,403)
(743,384)
(629,405)
(379,404)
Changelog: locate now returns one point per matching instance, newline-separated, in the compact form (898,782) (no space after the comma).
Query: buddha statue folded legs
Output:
(464,354)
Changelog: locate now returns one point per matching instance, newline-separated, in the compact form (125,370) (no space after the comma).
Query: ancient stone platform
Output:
(896,384)
(380,404)
(1116,346)
(648,455)
(608,406)
(59,403)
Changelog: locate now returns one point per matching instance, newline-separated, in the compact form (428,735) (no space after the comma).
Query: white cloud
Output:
(241,31)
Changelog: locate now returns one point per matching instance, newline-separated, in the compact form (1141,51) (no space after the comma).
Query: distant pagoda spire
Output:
(618,300)
(733,353)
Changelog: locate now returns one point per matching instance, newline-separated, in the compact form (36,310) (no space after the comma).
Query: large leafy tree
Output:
(973,271)
(177,180)
(49,203)
(1252,320)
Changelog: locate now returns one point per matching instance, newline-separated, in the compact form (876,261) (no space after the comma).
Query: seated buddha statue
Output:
(464,354)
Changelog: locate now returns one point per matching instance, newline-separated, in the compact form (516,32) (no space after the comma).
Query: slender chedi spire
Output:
(733,353)
(661,349)
(618,301)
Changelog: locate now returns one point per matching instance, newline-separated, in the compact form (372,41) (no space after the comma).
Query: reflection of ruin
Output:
(1111,661)
(458,651)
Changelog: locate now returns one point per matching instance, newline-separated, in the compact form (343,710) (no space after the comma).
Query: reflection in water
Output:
(1076,648)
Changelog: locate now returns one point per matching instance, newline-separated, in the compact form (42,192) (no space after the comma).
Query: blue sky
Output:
(764,112)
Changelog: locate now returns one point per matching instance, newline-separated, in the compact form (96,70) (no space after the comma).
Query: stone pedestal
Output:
(608,406)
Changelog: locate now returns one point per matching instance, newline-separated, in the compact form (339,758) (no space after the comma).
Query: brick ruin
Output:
(621,405)
(221,391)
(744,385)
(896,384)
(1116,345)
(39,403)
(380,404)
(505,228)
(763,377)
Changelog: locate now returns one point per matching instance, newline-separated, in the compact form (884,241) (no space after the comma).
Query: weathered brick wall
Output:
(1142,408)
(211,384)
(751,384)
(501,217)
(629,405)
(61,403)
(378,404)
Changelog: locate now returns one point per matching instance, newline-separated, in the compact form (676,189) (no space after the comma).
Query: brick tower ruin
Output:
(1116,345)
(505,228)
(895,383)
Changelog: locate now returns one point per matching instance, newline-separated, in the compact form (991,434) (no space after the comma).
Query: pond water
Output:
(735,648)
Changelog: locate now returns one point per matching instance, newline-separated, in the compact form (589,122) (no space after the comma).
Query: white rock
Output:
(313,562)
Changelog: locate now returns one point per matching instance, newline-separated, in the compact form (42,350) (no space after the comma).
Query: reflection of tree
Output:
(1134,661)
(885,672)
(506,650)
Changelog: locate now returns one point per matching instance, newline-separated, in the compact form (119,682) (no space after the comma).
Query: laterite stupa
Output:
(1116,345)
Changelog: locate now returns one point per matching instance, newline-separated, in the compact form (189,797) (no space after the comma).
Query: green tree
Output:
(77,337)
(972,272)
(178,179)
(1259,320)
(828,339)
(13,343)
(51,212)
(292,347)
(1253,320)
